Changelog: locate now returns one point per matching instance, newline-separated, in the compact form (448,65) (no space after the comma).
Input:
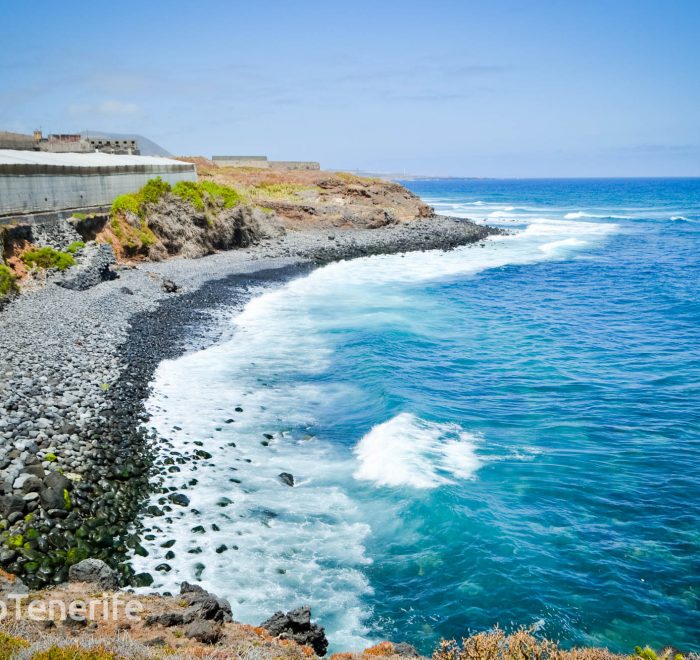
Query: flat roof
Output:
(14,157)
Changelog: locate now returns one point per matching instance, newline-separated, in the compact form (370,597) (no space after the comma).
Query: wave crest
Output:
(409,451)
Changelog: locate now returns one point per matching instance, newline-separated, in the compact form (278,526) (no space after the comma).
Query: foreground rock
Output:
(296,626)
(94,571)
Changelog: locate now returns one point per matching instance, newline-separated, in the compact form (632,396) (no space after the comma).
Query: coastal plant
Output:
(11,646)
(198,193)
(80,216)
(277,191)
(8,281)
(519,645)
(126,203)
(75,246)
(154,190)
(48,257)
(136,202)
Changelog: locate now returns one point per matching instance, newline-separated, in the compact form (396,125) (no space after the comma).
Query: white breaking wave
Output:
(577,215)
(408,451)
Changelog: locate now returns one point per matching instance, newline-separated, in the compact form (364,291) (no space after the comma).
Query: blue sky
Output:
(499,88)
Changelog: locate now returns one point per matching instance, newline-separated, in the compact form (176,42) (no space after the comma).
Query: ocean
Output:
(506,433)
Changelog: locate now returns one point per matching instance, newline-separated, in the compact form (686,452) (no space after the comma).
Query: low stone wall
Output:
(286,165)
(43,188)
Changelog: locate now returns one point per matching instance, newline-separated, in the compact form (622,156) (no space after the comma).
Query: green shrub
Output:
(135,202)
(124,203)
(11,646)
(8,281)
(47,257)
(229,196)
(196,193)
(154,190)
(189,191)
(74,247)
(80,216)
(646,653)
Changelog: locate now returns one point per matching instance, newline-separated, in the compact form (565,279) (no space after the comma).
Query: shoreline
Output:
(76,461)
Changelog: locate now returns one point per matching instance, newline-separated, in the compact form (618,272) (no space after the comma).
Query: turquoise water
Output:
(506,433)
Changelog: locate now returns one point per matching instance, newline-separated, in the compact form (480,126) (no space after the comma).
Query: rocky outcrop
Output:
(95,265)
(321,199)
(176,228)
(297,627)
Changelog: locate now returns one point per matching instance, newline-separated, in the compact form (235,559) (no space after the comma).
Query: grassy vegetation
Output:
(132,238)
(136,202)
(8,281)
(47,257)
(277,191)
(520,645)
(10,646)
(356,178)
(74,247)
(198,193)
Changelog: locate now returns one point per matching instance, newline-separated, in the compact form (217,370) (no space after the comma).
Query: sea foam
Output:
(409,451)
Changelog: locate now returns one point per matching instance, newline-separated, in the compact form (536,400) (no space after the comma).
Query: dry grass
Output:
(520,645)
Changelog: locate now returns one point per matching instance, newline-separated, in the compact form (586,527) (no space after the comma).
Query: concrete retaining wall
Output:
(286,165)
(40,188)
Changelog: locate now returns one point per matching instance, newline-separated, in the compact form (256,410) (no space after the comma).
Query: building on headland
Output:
(69,143)
(261,162)
(18,141)
(110,145)
(33,182)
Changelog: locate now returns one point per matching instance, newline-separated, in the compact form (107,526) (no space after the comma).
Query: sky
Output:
(446,88)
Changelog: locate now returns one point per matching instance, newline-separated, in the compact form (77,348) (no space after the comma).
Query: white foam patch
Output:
(577,215)
(409,451)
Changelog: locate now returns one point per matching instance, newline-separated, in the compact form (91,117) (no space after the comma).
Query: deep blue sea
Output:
(507,433)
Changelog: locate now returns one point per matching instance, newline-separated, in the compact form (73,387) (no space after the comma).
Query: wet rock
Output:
(142,580)
(179,499)
(296,625)
(287,478)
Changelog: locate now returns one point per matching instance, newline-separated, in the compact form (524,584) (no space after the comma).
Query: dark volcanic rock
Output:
(169,286)
(169,619)
(204,631)
(296,625)
(287,478)
(204,605)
